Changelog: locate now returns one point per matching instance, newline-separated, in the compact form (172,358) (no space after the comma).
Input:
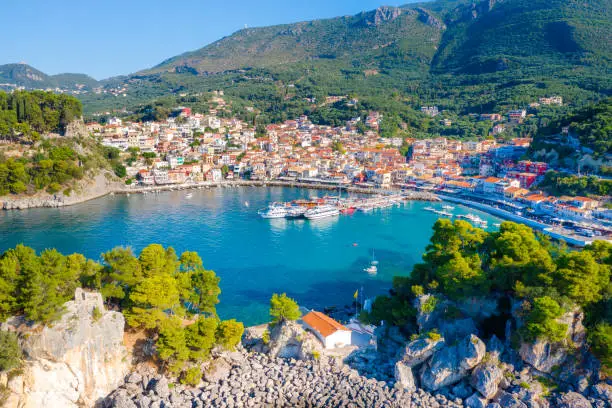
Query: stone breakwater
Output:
(257,380)
(101,186)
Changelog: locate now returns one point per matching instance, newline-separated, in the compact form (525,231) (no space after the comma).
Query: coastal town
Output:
(190,148)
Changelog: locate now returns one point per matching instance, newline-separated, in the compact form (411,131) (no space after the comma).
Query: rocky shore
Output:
(258,380)
(103,185)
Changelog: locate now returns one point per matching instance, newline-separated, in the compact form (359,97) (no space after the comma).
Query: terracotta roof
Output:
(324,324)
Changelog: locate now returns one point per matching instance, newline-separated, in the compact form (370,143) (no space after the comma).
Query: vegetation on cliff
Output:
(512,264)
(171,298)
(30,162)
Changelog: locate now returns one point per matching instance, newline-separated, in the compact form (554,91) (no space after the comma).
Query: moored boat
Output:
(321,211)
(273,211)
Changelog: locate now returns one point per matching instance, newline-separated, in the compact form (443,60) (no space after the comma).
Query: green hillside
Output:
(463,56)
(23,75)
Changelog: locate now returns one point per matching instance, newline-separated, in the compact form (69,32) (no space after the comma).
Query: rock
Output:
(417,351)
(76,361)
(160,387)
(455,329)
(475,401)
(404,377)
(134,378)
(495,347)
(462,390)
(602,391)
(451,364)
(218,370)
(123,401)
(290,340)
(573,400)
(542,355)
(507,400)
(486,378)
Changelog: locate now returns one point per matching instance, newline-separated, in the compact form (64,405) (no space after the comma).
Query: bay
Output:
(320,263)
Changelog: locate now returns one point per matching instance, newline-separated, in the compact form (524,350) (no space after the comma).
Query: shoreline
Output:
(50,201)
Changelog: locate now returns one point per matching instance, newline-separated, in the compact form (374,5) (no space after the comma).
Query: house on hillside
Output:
(331,333)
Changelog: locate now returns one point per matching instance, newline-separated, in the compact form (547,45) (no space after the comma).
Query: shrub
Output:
(67,192)
(417,290)
(128,182)
(53,188)
(96,314)
(524,385)
(429,305)
(600,338)
(192,376)
(229,333)
(316,355)
(434,335)
(10,352)
(265,337)
(541,322)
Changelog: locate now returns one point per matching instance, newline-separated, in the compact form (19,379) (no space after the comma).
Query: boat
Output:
(348,211)
(444,213)
(321,211)
(429,209)
(296,211)
(448,207)
(273,211)
(188,196)
(372,269)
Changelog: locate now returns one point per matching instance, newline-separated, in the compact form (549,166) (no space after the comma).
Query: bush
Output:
(600,338)
(53,188)
(316,355)
(541,322)
(417,290)
(429,305)
(96,314)
(265,337)
(434,335)
(192,376)
(67,192)
(10,352)
(229,333)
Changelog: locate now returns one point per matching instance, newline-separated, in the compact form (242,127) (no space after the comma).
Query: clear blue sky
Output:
(105,38)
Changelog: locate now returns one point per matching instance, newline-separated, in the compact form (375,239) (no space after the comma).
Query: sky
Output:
(105,38)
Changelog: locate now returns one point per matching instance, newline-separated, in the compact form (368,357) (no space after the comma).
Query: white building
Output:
(331,333)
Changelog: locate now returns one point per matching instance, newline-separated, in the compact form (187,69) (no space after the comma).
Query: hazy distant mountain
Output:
(23,75)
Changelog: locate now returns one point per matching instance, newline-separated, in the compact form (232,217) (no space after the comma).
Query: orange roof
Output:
(324,324)
(492,180)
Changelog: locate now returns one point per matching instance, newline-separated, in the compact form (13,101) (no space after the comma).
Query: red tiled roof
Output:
(324,324)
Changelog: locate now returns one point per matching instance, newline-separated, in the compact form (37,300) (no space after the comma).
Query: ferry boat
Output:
(273,211)
(296,211)
(321,211)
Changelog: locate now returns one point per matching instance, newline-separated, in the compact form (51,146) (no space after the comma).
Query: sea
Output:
(320,263)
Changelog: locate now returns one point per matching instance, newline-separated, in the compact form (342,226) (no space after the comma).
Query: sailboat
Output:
(373,268)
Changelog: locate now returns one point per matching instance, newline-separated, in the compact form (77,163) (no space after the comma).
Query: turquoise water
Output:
(320,263)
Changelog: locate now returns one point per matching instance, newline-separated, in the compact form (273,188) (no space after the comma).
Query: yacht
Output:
(321,211)
(273,211)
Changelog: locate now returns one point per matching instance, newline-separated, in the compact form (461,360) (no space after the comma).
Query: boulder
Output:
(417,351)
(290,340)
(475,401)
(455,329)
(495,348)
(486,378)
(76,361)
(602,391)
(543,355)
(573,400)
(507,400)
(462,390)
(450,364)
(404,377)
(218,370)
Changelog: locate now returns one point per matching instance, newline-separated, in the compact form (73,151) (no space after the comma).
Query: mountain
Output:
(23,75)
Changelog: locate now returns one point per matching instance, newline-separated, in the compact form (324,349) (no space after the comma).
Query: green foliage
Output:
(433,335)
(26,113)
(229,333)
(192,376)
(559,184)
(96,314)
(581,278)
(600,339)
(265,337)
(10,352)
(283,308)
(429,305)
(171,344)
(201,337)
(541,321)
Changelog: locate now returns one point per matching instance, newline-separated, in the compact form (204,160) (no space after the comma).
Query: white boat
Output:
(188,196)
(273,211)
(372,269)
(448,207)
(321,211)
(296,211)
(429,209)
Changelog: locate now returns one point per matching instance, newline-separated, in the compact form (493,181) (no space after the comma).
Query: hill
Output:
(22,75)
(461,55)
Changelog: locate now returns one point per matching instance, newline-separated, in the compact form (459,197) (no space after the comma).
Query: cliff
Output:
(75,362)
